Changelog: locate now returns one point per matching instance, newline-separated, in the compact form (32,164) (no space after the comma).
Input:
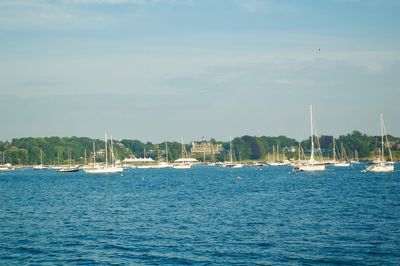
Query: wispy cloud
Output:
(128,2)
(73,14)
(264,6)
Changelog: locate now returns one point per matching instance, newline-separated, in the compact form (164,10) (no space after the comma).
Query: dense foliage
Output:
(55,149)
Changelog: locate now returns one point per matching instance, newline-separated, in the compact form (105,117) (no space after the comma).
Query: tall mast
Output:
(312,135)
(382,148)
(105,139)
(299,151)
(166,151)
(231,149)
(204,152)
(112,151)
(94,154)
(334,148)
(182,147)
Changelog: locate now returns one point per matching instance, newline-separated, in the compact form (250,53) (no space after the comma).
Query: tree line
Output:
(55,150)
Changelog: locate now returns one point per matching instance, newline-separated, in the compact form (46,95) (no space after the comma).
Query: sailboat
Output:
(6,166)
(344,160)
(107,168)
(301,158)
(276,158)
(184,162)
(165,164)
(69,168)
(355,159)
(231,163)
(40,166)
(311,165)
(382,166)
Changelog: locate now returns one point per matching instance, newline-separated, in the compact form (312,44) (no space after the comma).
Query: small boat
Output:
(312,165)
(69,168)
(381,165)
(355,160)
(276,158)
(104,169)
(344,160)
(6,167)
(231,163)
(40,166)
(184,162)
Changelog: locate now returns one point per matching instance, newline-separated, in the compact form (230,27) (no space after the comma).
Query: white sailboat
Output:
(184,162)
(312,165)
(382,166)
(165,164)
(344,160)
(355,159)
(231,163)
(105,169)
(6,166)
(40,166)
(276,158)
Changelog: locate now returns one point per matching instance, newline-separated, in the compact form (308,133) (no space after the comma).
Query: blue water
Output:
(205,215)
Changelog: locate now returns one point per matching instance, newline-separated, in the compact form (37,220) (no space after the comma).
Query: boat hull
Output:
(381,168)
(311,168)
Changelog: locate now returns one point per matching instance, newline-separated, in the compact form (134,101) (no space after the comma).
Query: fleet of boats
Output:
(315,162)
(107,167)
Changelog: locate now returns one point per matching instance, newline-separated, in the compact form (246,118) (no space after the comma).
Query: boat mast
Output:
(312,135)
(231,149)
(299,151)
(112,158)
(94,154)
(166,151)
(204,152)
(382,148)
(182,148)
(105,139)
(334,148)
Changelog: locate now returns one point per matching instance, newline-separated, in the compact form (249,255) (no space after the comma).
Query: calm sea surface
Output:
(205,215)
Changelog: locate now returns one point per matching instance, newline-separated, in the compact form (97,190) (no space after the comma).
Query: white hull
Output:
(381,168)
(279,163)
(104,170)
(68,169)
(182,166)
(233,165)
(163,165)
(6,168)
(343,164)
(40,167)
(311,167)
(145,166)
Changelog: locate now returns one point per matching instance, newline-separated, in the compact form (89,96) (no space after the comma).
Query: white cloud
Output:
(264,6)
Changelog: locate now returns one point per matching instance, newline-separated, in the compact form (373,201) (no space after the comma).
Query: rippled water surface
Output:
(205,215)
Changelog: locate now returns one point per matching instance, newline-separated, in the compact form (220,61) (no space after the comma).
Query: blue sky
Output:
(164,69)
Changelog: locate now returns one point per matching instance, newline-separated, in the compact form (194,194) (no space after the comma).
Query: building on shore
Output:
(206,148)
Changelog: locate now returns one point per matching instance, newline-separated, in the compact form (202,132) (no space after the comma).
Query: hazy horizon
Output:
(157,70)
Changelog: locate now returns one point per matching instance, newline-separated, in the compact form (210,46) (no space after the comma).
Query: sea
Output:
(200,216)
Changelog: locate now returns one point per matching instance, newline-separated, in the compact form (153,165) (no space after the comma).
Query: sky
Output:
(158,70)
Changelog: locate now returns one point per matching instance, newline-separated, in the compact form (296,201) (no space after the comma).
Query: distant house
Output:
(99,154)
(206,148)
